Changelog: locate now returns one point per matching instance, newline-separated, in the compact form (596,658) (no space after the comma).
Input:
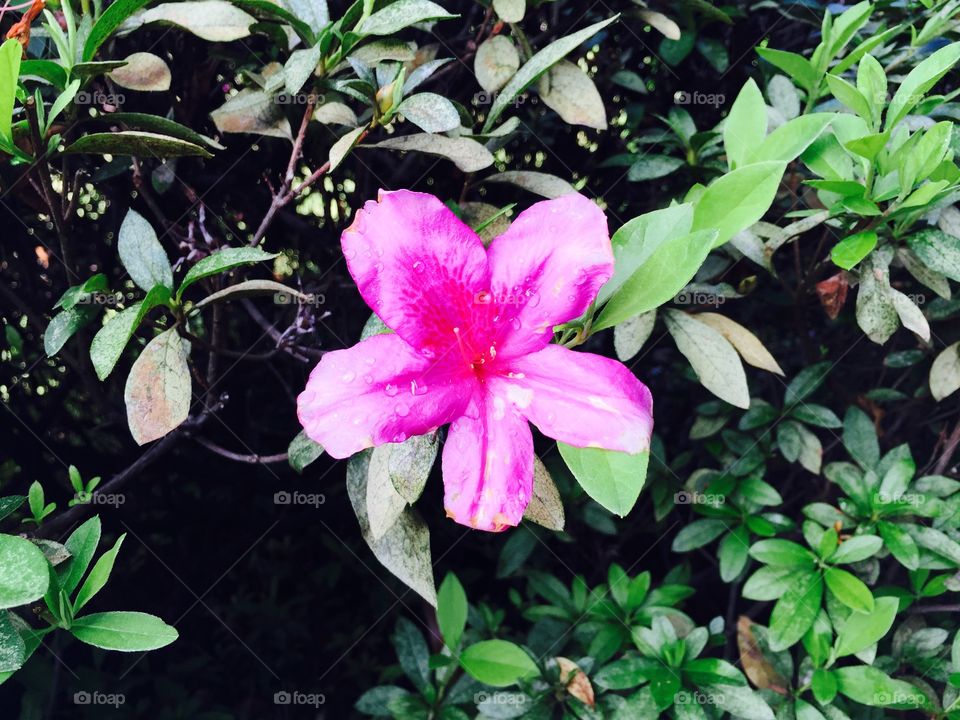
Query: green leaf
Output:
(212,20)
(746,124)
(741,702)
(782,553)
(625,673)
(794,65)
(638,239)
(571,93)
(10,504)
(861,630)
(137,144)
(711,671)
(107,23)
(404,549)
(697,534)
(375,700)
(10,54)
(871,686)
(409,465)
(860,438)
(498,663)
(159,125)
(108,344)
(142,254)
(613,479)
(847,94)
(24,572)
(123,631)
(303,451)
(790,139)
(853,248)
(824,686)
(849,589)
(658,278)
(468,155)
(651,167)
(796,609)
(412,652)
(537,66)
(900,544)
(451,611)
(400,14)
(733,553)
(158,389)
(221,261)
(713,358)
(13,651)
(737,200)
(805,383)
(856,549)
(82,545)
(98,576)
(64,325)
(430,112)
(919,81)
(938,250)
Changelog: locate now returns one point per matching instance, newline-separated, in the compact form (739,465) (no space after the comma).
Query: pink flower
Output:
(472,348)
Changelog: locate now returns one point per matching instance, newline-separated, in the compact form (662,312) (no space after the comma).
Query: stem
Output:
(46,183)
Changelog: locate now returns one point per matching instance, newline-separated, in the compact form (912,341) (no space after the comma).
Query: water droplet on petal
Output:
(390,389)
(348,377)
(418,266)
(402,410)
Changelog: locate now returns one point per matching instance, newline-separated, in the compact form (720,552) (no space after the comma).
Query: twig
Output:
(252,459)
(285,194)
(75,513)
(46,183)
(948,450)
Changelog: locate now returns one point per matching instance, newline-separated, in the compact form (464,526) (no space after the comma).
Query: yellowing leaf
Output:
(745,342)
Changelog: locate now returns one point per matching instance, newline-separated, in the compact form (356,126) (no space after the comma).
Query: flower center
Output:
(474,358)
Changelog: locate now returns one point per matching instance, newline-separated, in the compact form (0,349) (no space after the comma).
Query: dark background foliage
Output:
(269,597)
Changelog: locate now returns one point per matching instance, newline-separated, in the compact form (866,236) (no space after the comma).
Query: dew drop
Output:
(418,266)
(402,410)
(348,377)
(390,389)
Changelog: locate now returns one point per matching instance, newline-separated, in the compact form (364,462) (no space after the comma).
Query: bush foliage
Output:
(779,181)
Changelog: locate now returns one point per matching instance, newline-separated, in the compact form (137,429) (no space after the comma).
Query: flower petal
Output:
(379,391)
(417,266)
(578,398)
(488,465)
(547,268)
